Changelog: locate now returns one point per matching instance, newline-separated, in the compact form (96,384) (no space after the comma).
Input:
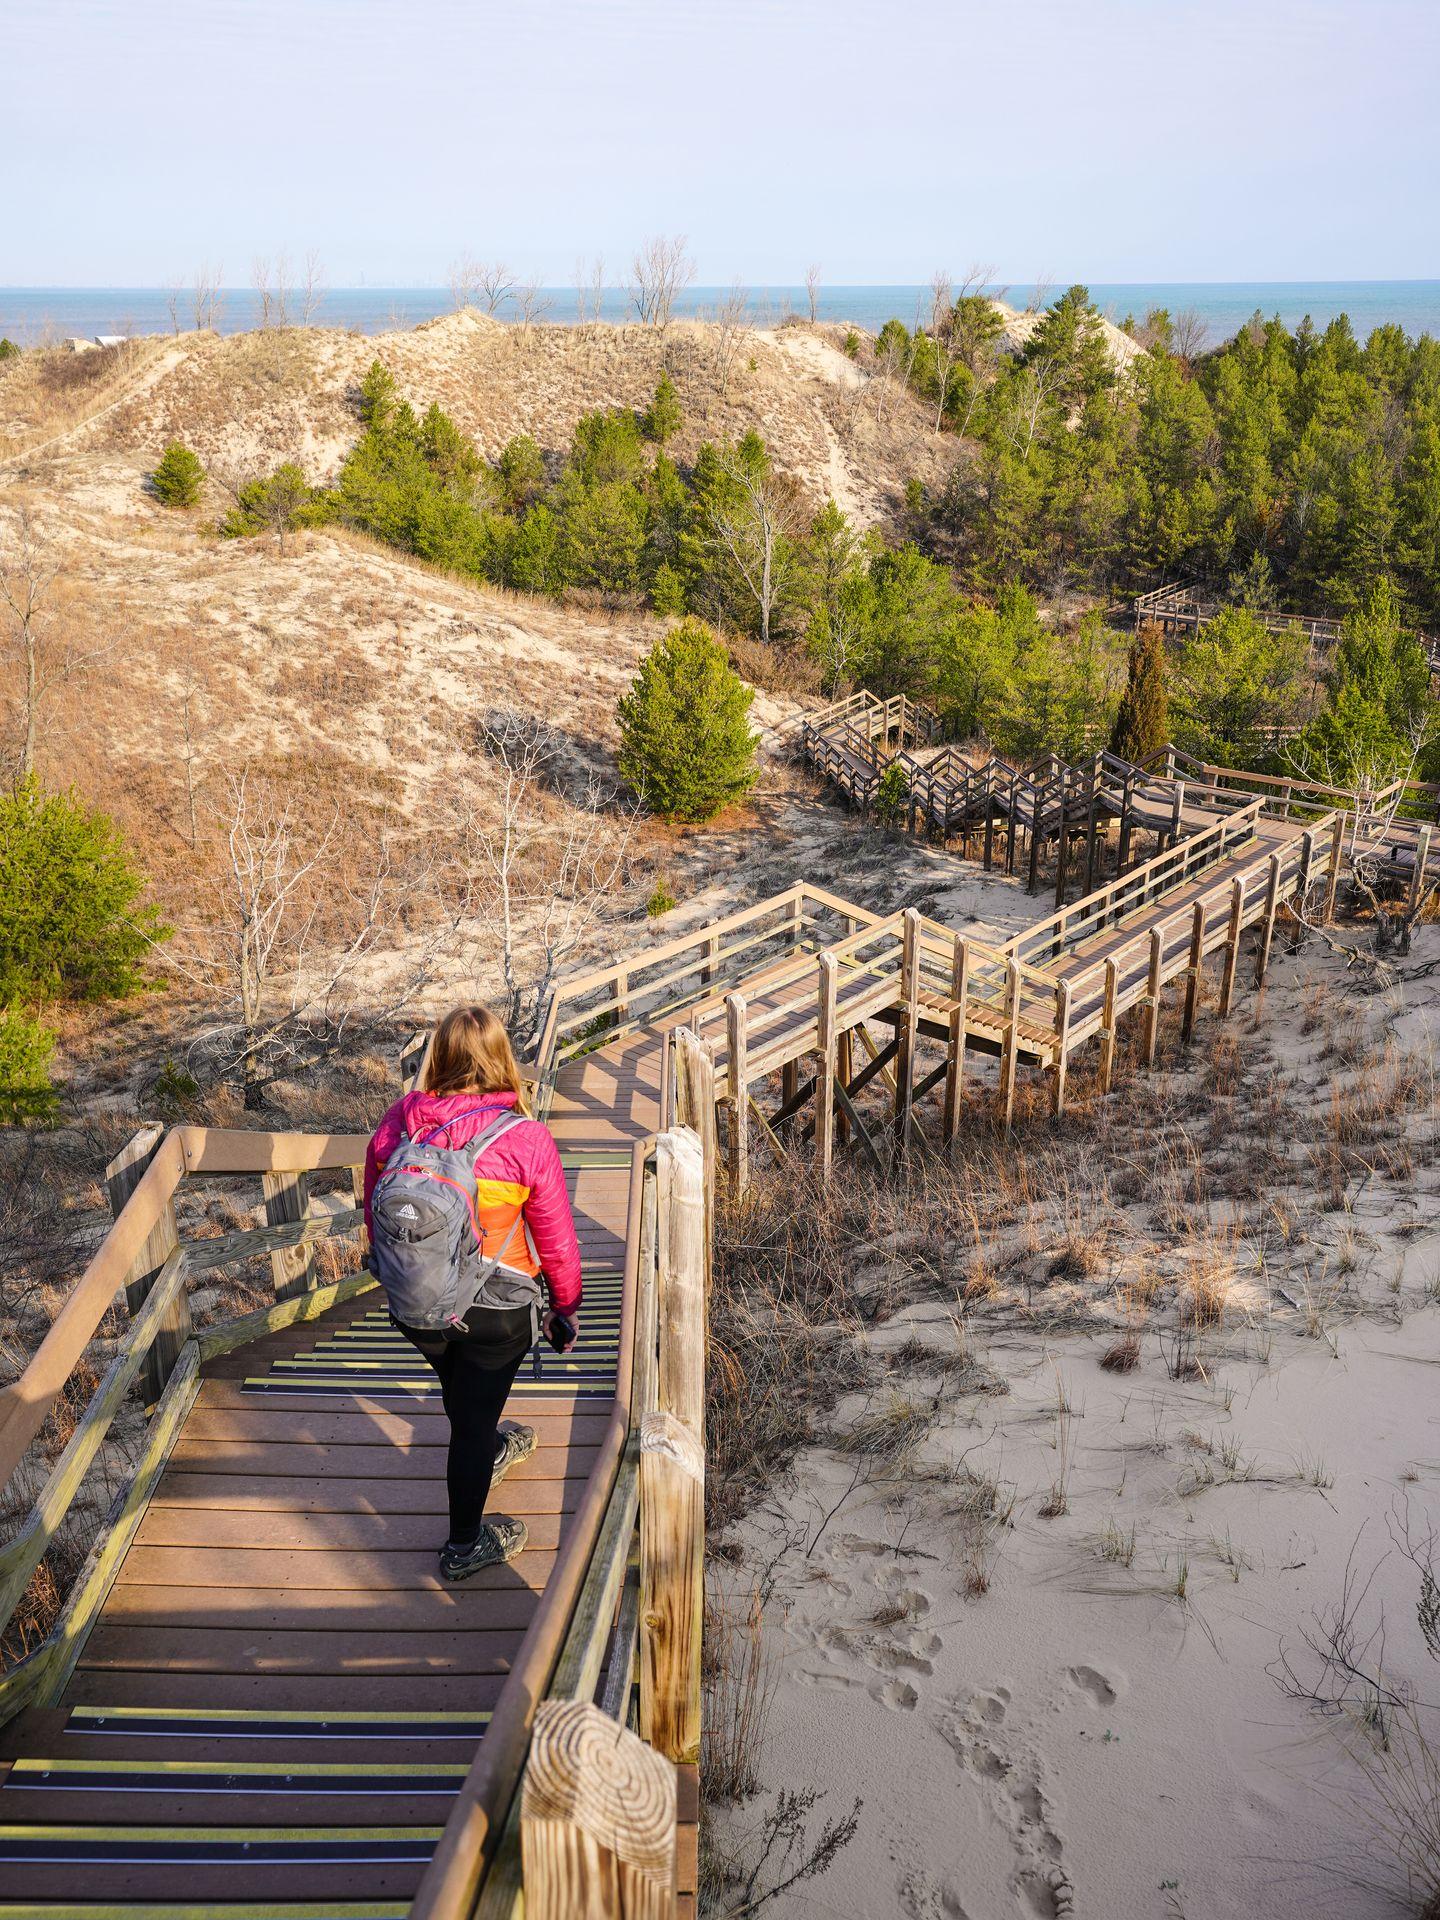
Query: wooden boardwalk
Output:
(262,1701)
(279,1698)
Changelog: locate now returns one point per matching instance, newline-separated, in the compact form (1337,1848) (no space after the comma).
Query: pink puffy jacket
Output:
(520,1173)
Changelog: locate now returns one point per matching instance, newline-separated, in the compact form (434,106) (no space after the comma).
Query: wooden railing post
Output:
(908,1028)
(1193,971)
(1107,1028)
(122,1176)
(287,1198)
(672,1464)
(955,1058)
(1417,879)
(737,1074)
(1152,995)
(1062,1045)
(826,1055)
(696,1108)
(597,1820)
(1267,926)
(1232,946)
(1010,1044)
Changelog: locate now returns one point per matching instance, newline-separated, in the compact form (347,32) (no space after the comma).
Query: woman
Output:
(469,1079)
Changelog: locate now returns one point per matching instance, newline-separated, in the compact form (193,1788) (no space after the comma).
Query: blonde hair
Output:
(470,1052)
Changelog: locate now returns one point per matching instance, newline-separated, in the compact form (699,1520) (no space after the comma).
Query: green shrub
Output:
(852,344)
(685,740)
(26,1094)
(270,506)
(9,350)
(179,477)
(661,901)
(892,796)
(71,926)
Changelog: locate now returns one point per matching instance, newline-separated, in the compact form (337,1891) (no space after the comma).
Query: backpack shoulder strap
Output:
(489,1135)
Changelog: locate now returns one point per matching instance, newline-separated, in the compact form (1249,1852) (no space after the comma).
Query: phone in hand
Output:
(560,1332)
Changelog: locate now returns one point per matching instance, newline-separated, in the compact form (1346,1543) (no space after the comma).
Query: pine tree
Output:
(179,477)
(1142,726)
(685,740)
(664,417)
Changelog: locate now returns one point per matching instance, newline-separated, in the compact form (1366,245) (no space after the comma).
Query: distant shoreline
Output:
(33,315)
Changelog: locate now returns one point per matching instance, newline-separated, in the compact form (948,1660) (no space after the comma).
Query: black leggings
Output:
(474,1394)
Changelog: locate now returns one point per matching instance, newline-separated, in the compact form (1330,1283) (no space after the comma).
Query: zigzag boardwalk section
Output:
(277,1699)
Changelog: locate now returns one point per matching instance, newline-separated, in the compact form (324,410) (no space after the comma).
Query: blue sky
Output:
(1110,140)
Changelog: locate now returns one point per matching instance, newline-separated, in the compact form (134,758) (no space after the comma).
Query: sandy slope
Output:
(1084,1739)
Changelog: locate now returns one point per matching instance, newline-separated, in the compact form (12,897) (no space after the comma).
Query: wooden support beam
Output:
(878,1063)
(861,1131)
(287,1198)
(789,1082)
(1062,852)
(1232,946)
(825,1065)
(989,836)
(844,1074)
(1193,971)
(1092,825)
(597,1821)
(955,1051)
(1267,925)
(908,1030)
(1332,871)
(737,1101)
(1152,996)
(1062,1046)
(1034,880)
(1010,828)
(1107,1026)
(1010,1044)
(122,1176)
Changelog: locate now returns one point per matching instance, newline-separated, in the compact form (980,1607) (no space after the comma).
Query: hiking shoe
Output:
(512,1445)
(496,1542)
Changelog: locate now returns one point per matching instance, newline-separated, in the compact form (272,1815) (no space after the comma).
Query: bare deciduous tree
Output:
(1189,334)
(494,284)
(174,293)
(464,282)
(541,878)
(297,911)
(731,328)
(267,277)
(312,288)
(206,301)
(29,569)
(812,291)
(1378,856)
(661,271)
(530,303)
(755,531)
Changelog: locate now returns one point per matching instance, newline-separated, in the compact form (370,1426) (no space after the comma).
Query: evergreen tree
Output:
(685,740)
(379,397)
(664,416)
(179,477)
(71,926)
(1142,725)
(26,1095)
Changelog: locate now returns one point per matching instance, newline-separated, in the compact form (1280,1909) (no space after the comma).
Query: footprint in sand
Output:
(1014,1785)
(826,1682)
(898,1695)
(1097,1689)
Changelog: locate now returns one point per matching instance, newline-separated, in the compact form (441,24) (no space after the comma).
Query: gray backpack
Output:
(425,1239)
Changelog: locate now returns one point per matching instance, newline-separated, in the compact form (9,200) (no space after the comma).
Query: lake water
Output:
(33,314)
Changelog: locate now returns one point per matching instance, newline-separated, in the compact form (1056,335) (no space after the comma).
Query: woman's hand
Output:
(562,1321)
